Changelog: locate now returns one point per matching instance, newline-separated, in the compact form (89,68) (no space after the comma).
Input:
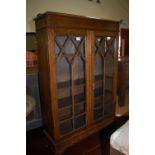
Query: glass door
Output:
(103,54)
(70,54)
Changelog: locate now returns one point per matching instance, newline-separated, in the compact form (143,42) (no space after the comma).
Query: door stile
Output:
(115,81)
(88,77)
(92,75)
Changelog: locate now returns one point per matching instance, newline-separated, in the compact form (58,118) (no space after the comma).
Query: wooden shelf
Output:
(69,106)
(81,114)
(100,77)
(99,92)
(98,107)
(105,102)
(66,107)
(71,118)
(68,100)
(66,112)
(65,118)
(77,82)
(80,82)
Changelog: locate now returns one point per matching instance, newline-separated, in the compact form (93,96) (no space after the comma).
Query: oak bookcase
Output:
(77,75)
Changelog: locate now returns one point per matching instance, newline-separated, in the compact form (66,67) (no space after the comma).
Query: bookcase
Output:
(77,75)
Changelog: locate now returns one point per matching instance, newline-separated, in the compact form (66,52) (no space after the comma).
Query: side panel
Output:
(44,79)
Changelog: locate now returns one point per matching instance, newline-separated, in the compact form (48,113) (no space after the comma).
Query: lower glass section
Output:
(79,121)
(66,127)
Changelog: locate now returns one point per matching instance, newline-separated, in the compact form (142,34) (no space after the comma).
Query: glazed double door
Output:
(85,71)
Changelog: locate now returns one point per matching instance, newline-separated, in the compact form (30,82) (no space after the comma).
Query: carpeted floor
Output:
(38,144)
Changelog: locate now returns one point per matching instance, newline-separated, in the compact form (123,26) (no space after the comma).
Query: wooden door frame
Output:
(53,75)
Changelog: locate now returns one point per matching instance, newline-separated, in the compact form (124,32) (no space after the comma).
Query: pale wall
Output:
(107,9)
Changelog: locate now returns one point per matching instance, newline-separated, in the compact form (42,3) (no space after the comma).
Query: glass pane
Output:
(98,65)
(79,68)
(65,113)
(63,102)
(98,113)
(79,121)
(111,44)
(63,71)
(80,108)
(100,45)
(109,65)
(98,101)
(98,87)
(59,43)
(70,48)
(64,79)
(109,84)
(66,127)
(108,109)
